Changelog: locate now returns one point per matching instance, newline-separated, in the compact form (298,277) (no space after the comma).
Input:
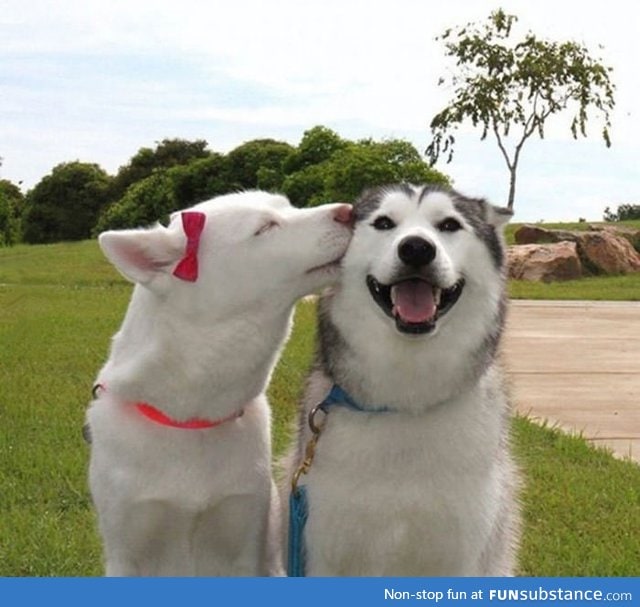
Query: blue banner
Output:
(325,592)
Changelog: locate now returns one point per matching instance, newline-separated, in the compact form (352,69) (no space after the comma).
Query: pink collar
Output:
(195,423)
(157,416)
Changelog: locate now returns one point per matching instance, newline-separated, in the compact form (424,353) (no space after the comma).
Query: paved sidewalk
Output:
(577,365)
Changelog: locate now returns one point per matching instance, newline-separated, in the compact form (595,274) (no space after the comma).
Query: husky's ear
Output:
(498,216)
(140,255)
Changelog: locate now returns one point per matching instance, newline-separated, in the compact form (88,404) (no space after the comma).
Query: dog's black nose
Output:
(416,251)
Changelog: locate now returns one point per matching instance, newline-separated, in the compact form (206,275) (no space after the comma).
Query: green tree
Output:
(11,207)
(200,180)
(145,202)
(257,163)
(369,163)
(168,153)
(307,187)
(317,145)
(65,204)
(165,191)
(354,166)
(512,88)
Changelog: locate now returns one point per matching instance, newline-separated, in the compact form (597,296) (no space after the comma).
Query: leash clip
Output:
(310,449)
(316,429)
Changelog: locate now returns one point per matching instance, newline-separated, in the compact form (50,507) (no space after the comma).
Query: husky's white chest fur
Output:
(424,488)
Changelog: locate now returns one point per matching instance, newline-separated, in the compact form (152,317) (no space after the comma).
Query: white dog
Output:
(412,473)
(180,426)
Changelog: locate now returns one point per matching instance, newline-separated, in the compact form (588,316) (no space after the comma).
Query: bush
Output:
(165,191)
(168,153)
(144,203)
(11,206)
(79,200)
(307,187)
(624,213)
(257,163)
(65,204)
(317,145)
(356,166)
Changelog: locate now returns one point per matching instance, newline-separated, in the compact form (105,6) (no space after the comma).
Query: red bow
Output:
(193,224)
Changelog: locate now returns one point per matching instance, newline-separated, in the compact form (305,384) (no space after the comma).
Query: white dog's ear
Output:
(140,255)
(498,216)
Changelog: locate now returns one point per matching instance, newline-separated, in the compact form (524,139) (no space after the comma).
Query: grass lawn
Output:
(612,288)
(59,306)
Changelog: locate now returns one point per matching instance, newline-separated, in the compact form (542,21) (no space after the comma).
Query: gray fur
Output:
(475,211)
(486,354)
(370,199)
(332,348)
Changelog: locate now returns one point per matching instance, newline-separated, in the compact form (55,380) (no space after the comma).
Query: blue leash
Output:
(298,513)
(298,502)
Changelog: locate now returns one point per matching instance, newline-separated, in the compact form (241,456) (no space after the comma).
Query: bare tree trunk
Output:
(512,165)
(512,187)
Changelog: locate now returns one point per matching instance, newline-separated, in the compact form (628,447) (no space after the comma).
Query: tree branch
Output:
(500,144)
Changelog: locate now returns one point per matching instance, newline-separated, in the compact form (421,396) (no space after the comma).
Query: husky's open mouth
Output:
(414,303)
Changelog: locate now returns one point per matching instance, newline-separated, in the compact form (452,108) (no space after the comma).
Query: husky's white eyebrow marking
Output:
(429,189)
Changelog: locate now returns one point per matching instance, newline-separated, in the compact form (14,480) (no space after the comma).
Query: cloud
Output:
(97,80)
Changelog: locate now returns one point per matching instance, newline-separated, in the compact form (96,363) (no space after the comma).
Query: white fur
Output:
(426,489)
(176,502)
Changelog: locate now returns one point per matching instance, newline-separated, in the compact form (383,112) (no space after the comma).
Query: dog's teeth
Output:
(437,293)
(394,295)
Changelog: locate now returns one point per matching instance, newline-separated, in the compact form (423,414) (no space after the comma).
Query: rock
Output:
(603,250)
(607,252)
(545,262)
(528,234)
(532,235)
(631,234)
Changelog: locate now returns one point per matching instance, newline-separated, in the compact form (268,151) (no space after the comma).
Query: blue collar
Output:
(337,396)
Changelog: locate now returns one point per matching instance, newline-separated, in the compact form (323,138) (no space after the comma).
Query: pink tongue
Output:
(414,301)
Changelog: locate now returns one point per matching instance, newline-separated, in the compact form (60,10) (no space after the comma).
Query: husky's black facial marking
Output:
(474,210)
(444,300)
(371,199)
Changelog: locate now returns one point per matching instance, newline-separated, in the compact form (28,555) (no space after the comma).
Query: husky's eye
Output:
(383,223)
(449,225)
(269,225)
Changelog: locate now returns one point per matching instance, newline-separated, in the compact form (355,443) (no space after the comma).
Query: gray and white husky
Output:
(412,474)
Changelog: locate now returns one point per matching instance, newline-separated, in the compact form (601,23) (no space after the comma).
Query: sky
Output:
(97,80)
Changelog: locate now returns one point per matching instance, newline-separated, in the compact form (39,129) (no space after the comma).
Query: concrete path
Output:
(577,365)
